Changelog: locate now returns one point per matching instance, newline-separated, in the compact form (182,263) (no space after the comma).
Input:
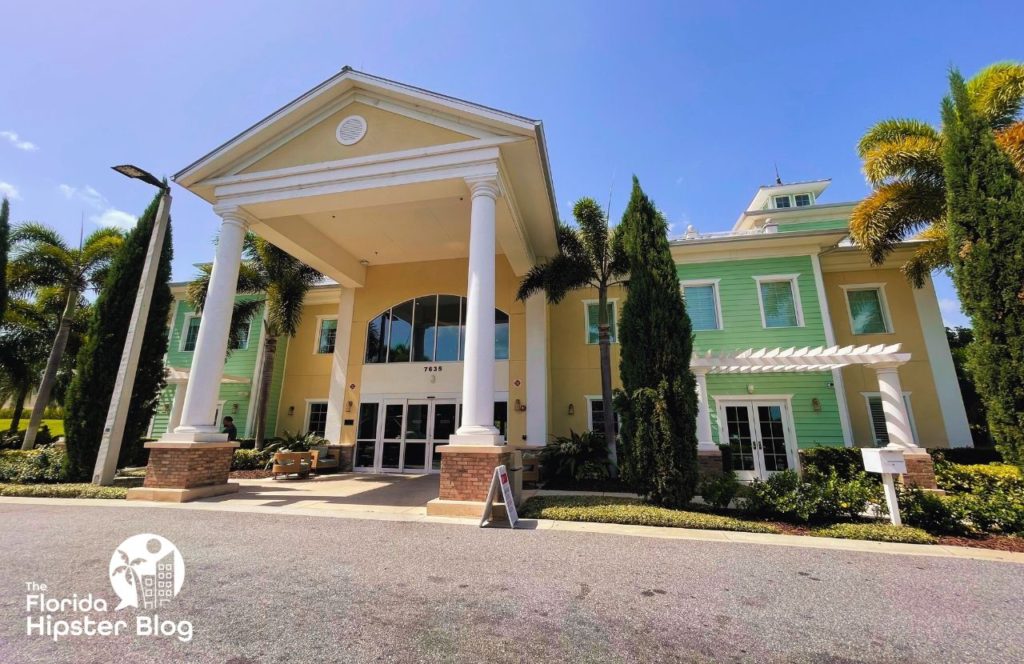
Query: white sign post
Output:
(887,461)
(500,482)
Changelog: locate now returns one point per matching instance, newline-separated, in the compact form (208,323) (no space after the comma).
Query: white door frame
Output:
(752,401)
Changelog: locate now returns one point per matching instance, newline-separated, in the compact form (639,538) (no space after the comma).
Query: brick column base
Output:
(920,470)
(709,463)
(182,471)
(466,472)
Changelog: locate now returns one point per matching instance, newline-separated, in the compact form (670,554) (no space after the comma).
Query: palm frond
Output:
(198,288)
(893,211)
(593,231)
(1011,140)
(997,93)
(908,158)
(895,129)
(928,257)
(33,232)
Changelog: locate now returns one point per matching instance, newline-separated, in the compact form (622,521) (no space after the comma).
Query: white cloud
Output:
(952,315)
(114,217)
(16,141)
(106,214)
(9,190)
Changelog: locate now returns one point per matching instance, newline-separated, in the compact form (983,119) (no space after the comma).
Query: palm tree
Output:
(903,163)
(585,259)
(284,280)
(24,334)
(42,259)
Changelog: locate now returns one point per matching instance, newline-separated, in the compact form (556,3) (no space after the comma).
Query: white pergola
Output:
(885,359)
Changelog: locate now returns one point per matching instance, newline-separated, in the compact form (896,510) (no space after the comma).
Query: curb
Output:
(418,515)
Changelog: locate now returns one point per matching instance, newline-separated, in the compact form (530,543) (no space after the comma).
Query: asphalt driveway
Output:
(286,588)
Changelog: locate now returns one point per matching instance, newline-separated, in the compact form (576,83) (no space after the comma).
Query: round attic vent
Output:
(351,130)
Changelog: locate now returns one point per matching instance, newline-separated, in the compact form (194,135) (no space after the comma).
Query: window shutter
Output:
(878,421)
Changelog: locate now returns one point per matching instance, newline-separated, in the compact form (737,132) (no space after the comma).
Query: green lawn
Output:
(56,426)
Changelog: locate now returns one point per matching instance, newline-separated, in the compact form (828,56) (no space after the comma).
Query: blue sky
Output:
(699,100)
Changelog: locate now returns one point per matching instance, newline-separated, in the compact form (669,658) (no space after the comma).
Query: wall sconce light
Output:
(234,408)
(572,409)
(348,406)
(165,407)
(816,404)
(750,388)
(520,407)
(291,410)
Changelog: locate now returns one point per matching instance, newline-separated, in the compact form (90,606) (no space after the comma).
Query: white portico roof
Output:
(774,360)
(180,376)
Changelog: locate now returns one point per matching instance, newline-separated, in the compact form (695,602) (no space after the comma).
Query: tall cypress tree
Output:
(658,402)
(89,395)
(985,204)
(5,247)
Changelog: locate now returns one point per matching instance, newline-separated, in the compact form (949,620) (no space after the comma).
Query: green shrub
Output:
(992,513)
(928,510)
(816,497)
(968,456)
(980,480)
(13,439)
(63,491)
(719,490)
(876,532)
(846,462)
(245,459)
(630,511)
(578,456)
(41,465)
(293,442)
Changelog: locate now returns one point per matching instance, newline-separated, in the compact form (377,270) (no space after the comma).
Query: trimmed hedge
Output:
(41,465)
(970,456)
(630,511)
(876,532)
(246,459)
(846,462)
(995,478)
(63,491)
(814,498)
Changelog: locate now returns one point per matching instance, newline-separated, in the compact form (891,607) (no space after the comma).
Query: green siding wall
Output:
(242,363)
(822,225)
(742,329)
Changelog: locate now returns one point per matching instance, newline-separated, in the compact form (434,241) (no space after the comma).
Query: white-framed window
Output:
(784,201)
(779,298)
(802,200)
(595,414)
(326,335)
(703,304)
(590,310)
(876,417)
(867,308)
(243,338)
(189,333)
(316,416)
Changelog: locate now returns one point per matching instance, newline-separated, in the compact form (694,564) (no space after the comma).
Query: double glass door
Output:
(406,436)
(758,436)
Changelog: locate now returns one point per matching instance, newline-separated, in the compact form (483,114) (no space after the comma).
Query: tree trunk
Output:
(19,406)
(604,344)
(263,398)
(50,375)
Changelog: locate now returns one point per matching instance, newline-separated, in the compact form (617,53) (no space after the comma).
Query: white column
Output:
(197,418)
(339,366)
(705,443)
(478,370)
(897,419)
(537,370)
(176,405)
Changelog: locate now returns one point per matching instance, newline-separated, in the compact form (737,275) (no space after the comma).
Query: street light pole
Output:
(117,414)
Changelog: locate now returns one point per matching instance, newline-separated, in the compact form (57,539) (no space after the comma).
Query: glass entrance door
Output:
(443,422)
(758,436)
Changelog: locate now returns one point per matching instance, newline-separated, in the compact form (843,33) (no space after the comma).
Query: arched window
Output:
(431,328)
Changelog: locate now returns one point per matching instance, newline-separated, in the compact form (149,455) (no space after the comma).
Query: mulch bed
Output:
(997,542)
(249,474)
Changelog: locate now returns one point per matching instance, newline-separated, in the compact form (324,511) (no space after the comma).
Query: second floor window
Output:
(867,311)
(780,305)
(190,334)
(327,335)
(592,309)
(702,306)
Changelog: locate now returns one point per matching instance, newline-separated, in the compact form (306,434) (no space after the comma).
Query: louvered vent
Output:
(351,130)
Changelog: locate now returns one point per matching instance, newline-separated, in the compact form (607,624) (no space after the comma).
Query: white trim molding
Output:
(794,285)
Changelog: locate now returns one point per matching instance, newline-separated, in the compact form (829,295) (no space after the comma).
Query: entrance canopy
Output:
(773,360)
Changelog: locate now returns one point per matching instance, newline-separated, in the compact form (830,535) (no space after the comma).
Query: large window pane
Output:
(401,332)
(500,335)
(462,329)
(778,303)
(191,335)
(447,328)
(423,330)
(367,421)
(393,421)
(700,305)
(317,419)
(501,416)
(377,339)
(866,311)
